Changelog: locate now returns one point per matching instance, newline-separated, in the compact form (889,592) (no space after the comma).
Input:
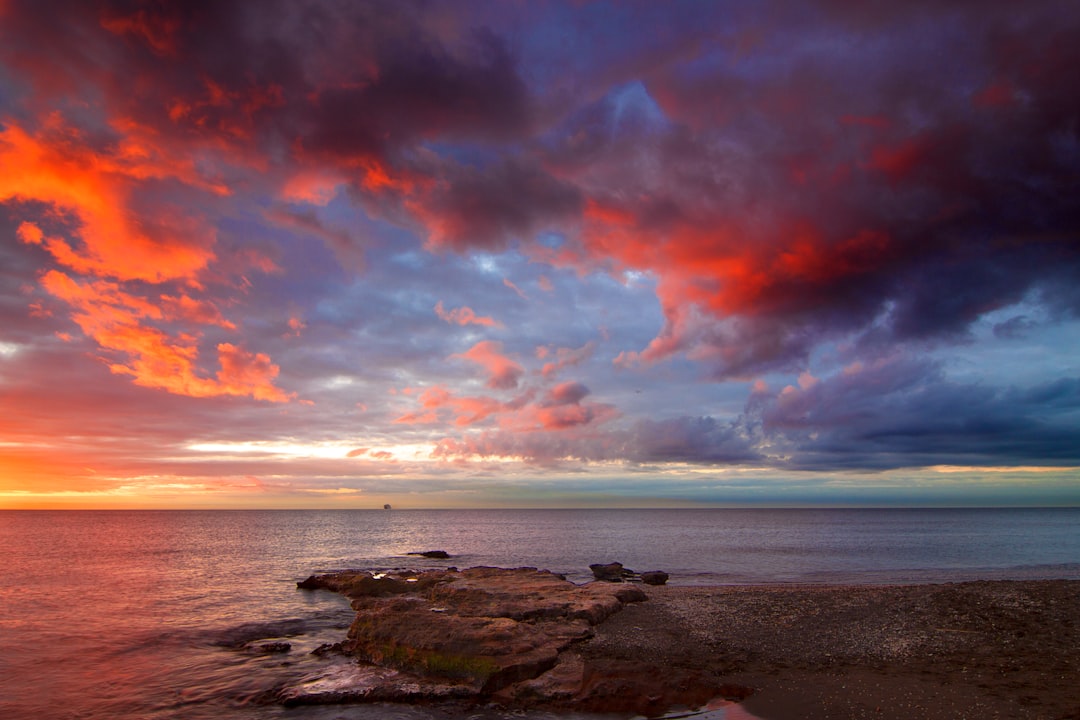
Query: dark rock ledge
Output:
(487,635)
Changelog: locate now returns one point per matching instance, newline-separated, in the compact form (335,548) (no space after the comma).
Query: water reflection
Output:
(123,614)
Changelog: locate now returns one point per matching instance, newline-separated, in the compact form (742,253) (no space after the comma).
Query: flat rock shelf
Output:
(509,636)
(529,639)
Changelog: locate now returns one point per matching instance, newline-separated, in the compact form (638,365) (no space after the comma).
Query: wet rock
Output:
(654,577)
(243,636)
(328,649)
(312,582)
(273,647)
(433,554)
(357,683)
(359,583)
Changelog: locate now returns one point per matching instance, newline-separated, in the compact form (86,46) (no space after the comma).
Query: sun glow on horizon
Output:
(329,450)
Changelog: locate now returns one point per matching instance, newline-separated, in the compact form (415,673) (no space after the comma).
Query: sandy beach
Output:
(999,649)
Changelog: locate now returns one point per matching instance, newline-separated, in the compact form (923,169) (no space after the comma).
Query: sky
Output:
(306,254)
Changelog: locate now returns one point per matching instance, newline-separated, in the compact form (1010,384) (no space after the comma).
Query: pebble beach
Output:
(990,649)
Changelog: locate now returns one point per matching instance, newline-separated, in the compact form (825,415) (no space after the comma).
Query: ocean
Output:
(148,614)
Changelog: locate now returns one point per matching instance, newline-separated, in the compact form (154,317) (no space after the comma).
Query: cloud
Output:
(901,411)
(464,316)
(503,373)
(56,167)
(1015,327)
(118,322)
(487,209)
(518,291)
(466,410)
(346,248)
(822,209)
(564,358)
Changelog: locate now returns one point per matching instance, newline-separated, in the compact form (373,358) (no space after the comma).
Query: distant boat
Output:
(386,506)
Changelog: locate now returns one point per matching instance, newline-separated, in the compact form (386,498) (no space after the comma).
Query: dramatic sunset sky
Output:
(463,254)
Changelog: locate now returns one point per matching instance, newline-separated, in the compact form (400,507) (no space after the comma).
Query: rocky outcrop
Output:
(473,633)
(615,572)
(654,577)
(611,572)
(432,554)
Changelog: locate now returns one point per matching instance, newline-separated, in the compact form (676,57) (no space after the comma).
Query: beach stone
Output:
(654,577)
(611,572)
(433,554)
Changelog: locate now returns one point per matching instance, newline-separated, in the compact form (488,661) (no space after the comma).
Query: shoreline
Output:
(978,649)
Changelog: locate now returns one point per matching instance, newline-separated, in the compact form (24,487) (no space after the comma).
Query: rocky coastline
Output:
(529,639)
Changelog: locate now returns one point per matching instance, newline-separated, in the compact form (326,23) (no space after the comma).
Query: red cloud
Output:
(156,30)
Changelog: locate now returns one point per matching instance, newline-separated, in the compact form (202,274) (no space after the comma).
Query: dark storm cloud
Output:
(916,166)
(487,208)
(902,412)
(332,81)
(420,91)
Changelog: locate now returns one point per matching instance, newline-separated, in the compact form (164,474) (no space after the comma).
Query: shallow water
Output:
(147,614)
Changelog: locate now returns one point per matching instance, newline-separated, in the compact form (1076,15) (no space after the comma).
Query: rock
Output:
(611,572)
(473,633)
(247,635)
(642,688)
(274,647)
(654,577)
(359,583)
(433,554)
(359,683)
(328,649)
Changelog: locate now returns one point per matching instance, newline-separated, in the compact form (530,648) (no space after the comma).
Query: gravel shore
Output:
(998,649)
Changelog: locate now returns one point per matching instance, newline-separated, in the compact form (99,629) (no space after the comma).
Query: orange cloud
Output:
(314,187)
(503,373)
(464,316)
(116,320)
(113,235)
(466,410)
(247,373)
(57,168)
(203,312)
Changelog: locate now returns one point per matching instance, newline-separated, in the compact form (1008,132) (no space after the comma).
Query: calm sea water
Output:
(146,614)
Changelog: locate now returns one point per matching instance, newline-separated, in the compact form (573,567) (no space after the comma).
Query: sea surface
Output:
(151,614)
